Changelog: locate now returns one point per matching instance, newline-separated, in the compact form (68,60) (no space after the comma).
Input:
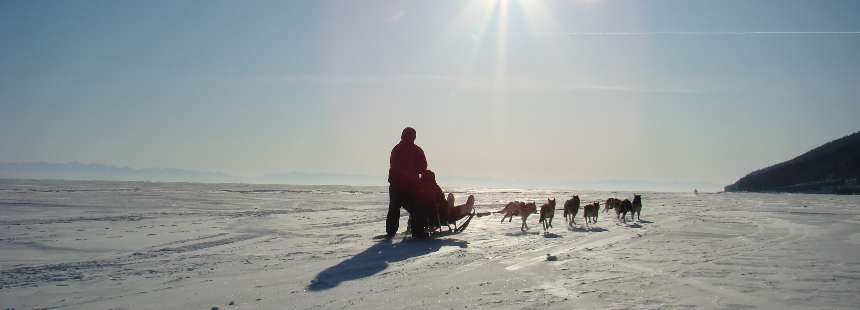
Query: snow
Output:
(138,245)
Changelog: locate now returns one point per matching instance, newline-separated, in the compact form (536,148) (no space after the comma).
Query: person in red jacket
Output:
(407,163)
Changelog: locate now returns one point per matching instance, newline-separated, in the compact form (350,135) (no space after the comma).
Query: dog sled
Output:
(446,219)
(437,227)
(437,224)
(443,218)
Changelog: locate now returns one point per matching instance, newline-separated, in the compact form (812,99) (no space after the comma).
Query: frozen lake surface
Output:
(138,245)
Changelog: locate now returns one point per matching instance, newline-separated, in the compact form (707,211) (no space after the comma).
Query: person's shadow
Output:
(375,259)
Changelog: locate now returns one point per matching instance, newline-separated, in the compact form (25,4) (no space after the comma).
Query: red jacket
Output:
(407,162)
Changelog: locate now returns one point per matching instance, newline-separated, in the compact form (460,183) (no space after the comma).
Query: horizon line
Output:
(456,186)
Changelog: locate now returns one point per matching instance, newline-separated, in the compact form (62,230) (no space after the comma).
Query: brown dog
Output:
(571,207)
(621,211)
(590,212)
(611,203)
(518,208)
(547,211)
(636,207)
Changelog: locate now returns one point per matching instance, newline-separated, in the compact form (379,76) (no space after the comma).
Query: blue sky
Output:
(702,91)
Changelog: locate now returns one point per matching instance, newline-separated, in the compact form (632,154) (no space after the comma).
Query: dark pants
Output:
(398,199)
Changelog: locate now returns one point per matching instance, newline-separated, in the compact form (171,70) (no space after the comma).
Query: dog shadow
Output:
(522,233)
(577,228)
(376,259)
(634,225)
(550,235)
(583,229)
(645,222)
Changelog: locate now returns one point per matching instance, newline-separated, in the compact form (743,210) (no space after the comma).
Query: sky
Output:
(570,90)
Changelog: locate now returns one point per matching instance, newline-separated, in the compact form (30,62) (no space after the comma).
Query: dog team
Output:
(571,208)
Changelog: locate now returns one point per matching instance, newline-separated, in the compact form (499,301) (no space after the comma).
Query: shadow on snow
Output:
(583,229)
(522,233)
(375,259)
(550,235)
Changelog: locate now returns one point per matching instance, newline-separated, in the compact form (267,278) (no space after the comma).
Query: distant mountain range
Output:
(320,179)
(832,168)
(83,171)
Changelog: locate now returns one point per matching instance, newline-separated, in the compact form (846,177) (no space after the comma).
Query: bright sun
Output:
(535,16)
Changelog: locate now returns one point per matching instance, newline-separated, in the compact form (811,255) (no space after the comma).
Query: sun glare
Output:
(496,15)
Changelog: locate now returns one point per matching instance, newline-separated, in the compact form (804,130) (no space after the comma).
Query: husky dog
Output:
(518,208)
(547,211)
(636,207)
(511,209)
(611,203)
(590,212)
(621,211)
(571,207)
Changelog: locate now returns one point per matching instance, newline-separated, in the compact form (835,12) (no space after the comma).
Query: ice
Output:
(141,245)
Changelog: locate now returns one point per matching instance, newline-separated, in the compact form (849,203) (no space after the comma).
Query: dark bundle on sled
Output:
(446,216)
(437,212)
